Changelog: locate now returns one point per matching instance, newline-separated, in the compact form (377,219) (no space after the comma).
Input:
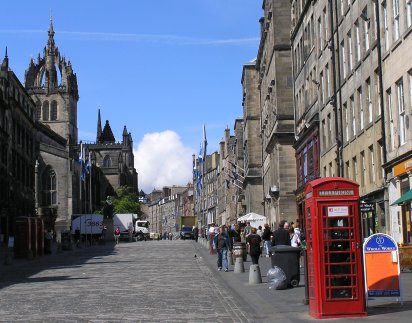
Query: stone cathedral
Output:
(60,191)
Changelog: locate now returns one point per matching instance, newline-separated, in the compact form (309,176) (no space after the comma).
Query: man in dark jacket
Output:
(281,235)
(221,242)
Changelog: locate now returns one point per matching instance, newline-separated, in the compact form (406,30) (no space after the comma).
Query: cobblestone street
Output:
(152,281)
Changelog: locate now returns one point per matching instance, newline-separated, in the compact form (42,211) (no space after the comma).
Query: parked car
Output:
(186,233)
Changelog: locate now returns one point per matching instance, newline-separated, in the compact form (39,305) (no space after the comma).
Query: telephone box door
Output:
(341,252)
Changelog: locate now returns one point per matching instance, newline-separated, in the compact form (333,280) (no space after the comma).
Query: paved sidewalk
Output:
(237,299)
(287,305)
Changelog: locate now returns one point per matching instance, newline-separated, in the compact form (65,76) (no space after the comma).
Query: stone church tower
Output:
(52,85)
(115,160)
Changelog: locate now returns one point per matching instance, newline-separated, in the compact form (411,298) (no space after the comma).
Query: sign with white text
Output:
(338,211)
(381,266)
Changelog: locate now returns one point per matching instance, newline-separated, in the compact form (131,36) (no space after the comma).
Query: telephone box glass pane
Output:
(340,264)
(309,251)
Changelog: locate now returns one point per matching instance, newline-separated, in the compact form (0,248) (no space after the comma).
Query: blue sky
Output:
(162,68)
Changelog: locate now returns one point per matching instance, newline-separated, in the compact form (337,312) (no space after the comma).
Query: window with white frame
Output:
(347,166)
(320,35)
(380,160)
(350,56)
(330,136)
(408,5)
(401,111)
(345,109)
(353,115)
(322,88)
(375,22)
(391,122)
(324,135)
(343,53)
(327,75)
(355,169)
(385,25)
(366,22)
(363,165)
(377,91)
(410,87)
(357,40)
(325,24)
(396,20)
(369,100)
(361,112)
(372,167)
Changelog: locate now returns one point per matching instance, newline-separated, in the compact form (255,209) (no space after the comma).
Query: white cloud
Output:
(162,160)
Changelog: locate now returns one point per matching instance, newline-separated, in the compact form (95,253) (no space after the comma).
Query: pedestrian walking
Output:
(296,241)
(47,242)
(266,240)
(281,234)
(259,231)
(253,241)
(221,243)
(247,230)
(195,233)
(103,233)
(211,235)
(234,234)
(116,235)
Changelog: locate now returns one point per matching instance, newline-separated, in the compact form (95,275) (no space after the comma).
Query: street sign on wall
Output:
(381,266)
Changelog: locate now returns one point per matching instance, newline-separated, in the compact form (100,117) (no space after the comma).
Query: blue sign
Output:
(379,243)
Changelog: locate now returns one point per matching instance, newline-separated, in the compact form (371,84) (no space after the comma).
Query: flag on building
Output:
(204,142)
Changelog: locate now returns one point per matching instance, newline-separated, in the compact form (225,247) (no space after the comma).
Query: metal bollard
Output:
(254,275)
(239,266)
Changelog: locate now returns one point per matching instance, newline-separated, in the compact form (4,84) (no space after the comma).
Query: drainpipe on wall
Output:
(382,111)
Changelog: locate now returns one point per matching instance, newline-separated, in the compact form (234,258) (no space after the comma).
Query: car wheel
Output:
(140,237)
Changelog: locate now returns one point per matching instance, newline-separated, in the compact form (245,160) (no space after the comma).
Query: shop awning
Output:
(404,198)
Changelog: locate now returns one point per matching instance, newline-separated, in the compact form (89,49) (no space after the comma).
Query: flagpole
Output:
(90,193)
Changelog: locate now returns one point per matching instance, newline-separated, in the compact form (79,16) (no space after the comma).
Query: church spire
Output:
(99,128)
(50,42)
(5,64)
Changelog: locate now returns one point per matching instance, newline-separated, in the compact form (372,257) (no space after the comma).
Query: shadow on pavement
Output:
(21,270)
(389,308)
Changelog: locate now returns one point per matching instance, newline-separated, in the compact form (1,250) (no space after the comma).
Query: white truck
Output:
(87,224)
(129,225)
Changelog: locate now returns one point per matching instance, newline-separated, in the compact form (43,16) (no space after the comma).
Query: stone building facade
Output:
(274,66)
(352,96)
(52,85)
(166,207)
(228,189)
(17,151)
(252,141)
(396,44)
(60,188)
(115,160)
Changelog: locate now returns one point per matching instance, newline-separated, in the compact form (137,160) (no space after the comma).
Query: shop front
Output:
(401,199)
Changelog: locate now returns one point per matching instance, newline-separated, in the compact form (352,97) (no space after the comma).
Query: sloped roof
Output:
(107,134)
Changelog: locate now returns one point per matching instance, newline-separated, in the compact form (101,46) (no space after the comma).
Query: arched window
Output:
(53,111)
(49,187)
(38,110)
(45,110)
(107,162)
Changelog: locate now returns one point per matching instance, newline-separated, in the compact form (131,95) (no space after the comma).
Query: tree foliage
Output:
(126,202)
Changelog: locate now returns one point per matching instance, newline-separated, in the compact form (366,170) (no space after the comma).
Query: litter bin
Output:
(66,240)
(287,258)
(239,250)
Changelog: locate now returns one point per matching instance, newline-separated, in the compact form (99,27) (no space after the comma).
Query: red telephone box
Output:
(334,248)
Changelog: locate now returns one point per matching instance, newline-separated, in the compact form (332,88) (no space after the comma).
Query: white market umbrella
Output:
(255,219)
